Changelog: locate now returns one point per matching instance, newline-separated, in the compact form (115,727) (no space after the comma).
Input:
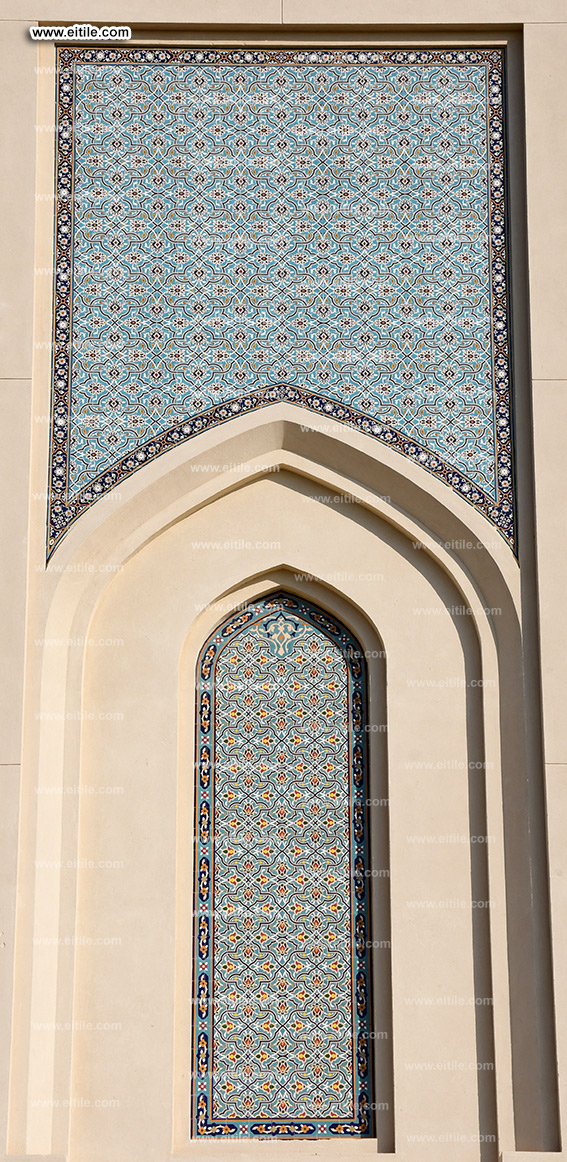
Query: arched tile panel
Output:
(281,1041)
(236,227)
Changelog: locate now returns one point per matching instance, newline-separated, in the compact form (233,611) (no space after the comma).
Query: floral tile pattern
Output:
(281,983)
(236,227)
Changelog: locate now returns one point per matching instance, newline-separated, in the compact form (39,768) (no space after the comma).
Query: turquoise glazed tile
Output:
(238,227)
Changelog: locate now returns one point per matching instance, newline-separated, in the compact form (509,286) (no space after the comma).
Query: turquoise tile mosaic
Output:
(237,227)
(281,1027)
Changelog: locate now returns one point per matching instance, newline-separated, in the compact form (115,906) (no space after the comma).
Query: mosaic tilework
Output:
(237,227)
(281,984)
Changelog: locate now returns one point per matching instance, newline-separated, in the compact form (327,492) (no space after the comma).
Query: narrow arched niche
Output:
(282,1031)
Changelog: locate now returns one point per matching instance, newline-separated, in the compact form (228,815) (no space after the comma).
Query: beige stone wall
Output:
(113,627)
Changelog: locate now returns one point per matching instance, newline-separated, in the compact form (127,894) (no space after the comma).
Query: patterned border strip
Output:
(62,513)
(203,936)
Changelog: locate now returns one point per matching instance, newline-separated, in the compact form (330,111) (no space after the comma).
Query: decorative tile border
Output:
(443,431)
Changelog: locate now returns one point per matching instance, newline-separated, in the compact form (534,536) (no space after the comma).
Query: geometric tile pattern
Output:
(281,983)
(236,227)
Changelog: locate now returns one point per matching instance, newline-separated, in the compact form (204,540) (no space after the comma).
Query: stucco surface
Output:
(18,96)
(142,755)
(546,113)
(15,403)
(316,12)
(550,411)
(131,572)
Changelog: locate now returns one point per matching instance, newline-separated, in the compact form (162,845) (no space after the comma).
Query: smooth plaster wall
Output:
(544,45)
(151,606)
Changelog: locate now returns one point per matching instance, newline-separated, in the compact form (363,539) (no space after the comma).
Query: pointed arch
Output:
(281,1035)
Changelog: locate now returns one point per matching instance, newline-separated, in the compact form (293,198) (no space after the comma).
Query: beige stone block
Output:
(130,12)
(400,12)
(323,12)
(546,116)
(10,793)
(531,1156)
(14,458)
(550,418)
(17,149)
(556,782)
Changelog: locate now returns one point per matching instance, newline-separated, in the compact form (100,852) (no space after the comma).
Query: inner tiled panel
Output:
(323,226)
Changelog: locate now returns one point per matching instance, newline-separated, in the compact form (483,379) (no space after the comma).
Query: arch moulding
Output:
(329,478)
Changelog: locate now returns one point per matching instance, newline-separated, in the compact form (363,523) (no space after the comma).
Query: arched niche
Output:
(67,604)
(282,1000)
